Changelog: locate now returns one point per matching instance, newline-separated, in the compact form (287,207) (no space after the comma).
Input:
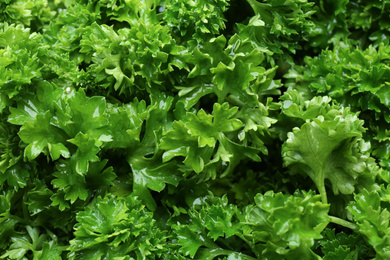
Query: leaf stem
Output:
(322,189)
(18,219)
(246,241)
(343,223)
(235,101)
(323,195)
(63,248)
(114,100)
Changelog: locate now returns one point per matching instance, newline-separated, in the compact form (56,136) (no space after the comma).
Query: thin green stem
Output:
(18,219)
(235,101)
(247,242)
(343,223)
(114,100)
(26,214)
(63,248)
(322,189)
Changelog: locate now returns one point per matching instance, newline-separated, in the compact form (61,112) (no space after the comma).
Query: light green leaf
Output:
(43,137)
(328,149)
(86,152)
(70,182)
(207,127)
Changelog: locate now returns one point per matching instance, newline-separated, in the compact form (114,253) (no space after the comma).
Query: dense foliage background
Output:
(194,129)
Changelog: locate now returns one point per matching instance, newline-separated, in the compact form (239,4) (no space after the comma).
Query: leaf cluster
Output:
(170,129)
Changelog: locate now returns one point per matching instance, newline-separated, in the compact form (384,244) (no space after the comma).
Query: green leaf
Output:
(178,142)
(70,182)
(373,220)
(43,137)
(286,225)
(116,227)
(20,66)
(196,19)
(215,219)
(34,242)
(207,127)
(17,174)
(144,43)
(7,223)
(360,84)
(220,219)
(328,149)
(101,219)
(34,104)
(126,123)
(279,22)
(256,124)
(81,114)
(58,198)
(151,173)
(295,105)
(39,198)
(234,153)
(86,152)
(189,240)
(343,246)
(197,137)
(144,157)
(99,177)
(49,251)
